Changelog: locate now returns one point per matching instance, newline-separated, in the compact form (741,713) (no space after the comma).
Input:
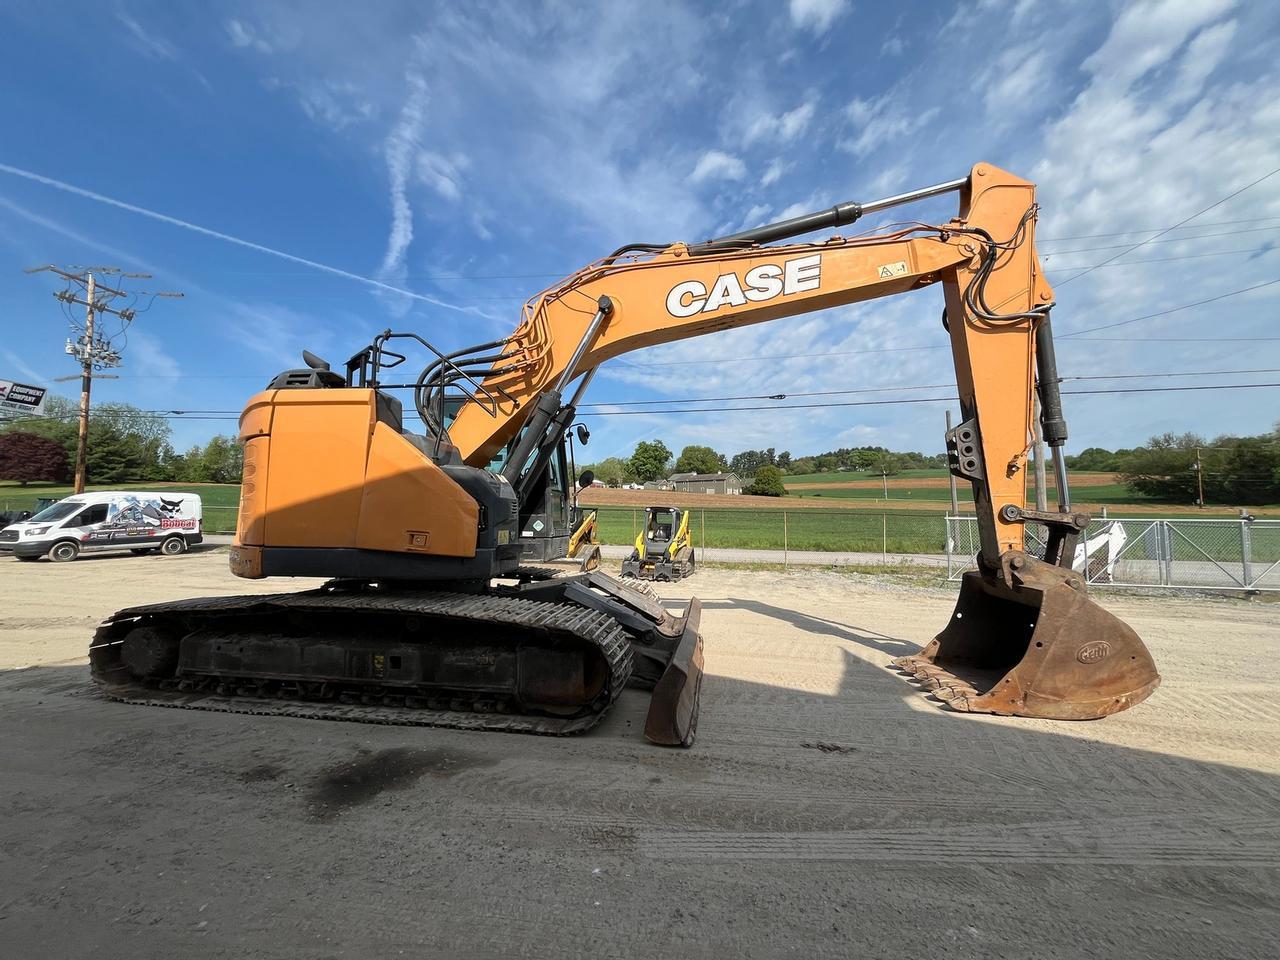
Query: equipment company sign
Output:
(21,398)
(762,283)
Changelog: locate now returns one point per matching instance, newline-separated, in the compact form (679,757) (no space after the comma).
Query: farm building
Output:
(727,483)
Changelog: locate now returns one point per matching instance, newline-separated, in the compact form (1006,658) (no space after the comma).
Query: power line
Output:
(1164,313)
(912,400)
(1152,376)
(218,235)
(1119,246)
(1127,233)
(921,386)
(1177,339)
(170,415)
(1151,239)
(1189,256)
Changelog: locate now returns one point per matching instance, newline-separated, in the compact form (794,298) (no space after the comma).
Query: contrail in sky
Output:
(217,235)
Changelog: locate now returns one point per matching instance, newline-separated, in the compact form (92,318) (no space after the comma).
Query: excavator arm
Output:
(997,299)
(1024,639)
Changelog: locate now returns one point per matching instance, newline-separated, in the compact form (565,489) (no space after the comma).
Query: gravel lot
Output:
(828,808)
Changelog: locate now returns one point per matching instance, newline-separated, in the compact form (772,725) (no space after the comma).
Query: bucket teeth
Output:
(1035,646)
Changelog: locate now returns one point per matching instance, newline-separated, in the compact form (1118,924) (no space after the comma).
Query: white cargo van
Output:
(111,520)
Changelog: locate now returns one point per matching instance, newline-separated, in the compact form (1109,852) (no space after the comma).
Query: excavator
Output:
(431,614)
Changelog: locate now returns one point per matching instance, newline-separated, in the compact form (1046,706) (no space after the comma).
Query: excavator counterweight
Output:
(440,608)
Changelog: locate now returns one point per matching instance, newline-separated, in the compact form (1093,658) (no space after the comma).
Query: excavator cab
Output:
(664,548)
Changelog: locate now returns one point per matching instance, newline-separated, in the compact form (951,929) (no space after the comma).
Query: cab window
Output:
(94,514)
(56,511)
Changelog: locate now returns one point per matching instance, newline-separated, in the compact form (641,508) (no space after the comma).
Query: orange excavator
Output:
(436,611)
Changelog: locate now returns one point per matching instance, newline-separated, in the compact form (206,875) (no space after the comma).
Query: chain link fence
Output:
(879,536)
(1187,553)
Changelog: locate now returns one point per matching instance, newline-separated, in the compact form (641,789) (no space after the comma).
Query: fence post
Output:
(1168,553)
(633,524)
(703,530)
(884,539)
(1246,546)
(784,539)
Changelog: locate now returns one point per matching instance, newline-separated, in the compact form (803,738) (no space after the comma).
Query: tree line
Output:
(125,444)
(762,471)
(1175,467)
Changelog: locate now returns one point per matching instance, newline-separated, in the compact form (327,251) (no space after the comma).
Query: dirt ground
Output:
(933,483)
(828,809)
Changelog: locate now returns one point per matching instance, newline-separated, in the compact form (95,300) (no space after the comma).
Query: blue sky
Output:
(473,153)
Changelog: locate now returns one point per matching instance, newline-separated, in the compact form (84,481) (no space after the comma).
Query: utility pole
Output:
(884,477)
(1199,481)
(86,383)
(951,478)
(93,350)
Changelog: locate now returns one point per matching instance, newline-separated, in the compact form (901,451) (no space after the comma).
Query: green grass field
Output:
(918,531)
(854,523)
(848,475)
(1102,493)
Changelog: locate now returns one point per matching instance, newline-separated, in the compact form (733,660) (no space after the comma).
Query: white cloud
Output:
(277,333)
(442,174)
(717,165)
(773,174)
(153,45)
(1145,36)
(18,364)
(1205,54)
(882,121)
(242,35)
(893,47)
(817,16)
(400,148)
(1020,81)
(764,124)
(146,358)
(334,104)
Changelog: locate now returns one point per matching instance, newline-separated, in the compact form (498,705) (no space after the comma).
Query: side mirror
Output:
(583,434)
(586,480)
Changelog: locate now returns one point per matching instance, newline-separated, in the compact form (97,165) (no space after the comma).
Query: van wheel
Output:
(64,551)
(173,546)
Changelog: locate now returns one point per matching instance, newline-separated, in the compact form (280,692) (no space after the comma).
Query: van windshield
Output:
(63,508)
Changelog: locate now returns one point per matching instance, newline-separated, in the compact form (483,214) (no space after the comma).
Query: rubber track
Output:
(595,628)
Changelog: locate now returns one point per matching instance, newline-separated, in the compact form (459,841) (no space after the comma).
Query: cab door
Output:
(84,525)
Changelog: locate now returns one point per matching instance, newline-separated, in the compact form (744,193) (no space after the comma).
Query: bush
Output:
(25,457)
(768,483)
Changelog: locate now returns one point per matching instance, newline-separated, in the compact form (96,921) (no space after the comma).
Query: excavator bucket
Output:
(1041,648)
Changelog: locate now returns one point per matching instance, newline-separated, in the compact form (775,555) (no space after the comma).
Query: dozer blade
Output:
(672,720)
(1040,648)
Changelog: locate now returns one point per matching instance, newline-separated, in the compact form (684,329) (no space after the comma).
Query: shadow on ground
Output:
(861,822)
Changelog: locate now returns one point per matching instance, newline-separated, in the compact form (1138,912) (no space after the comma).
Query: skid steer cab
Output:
(664,548)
